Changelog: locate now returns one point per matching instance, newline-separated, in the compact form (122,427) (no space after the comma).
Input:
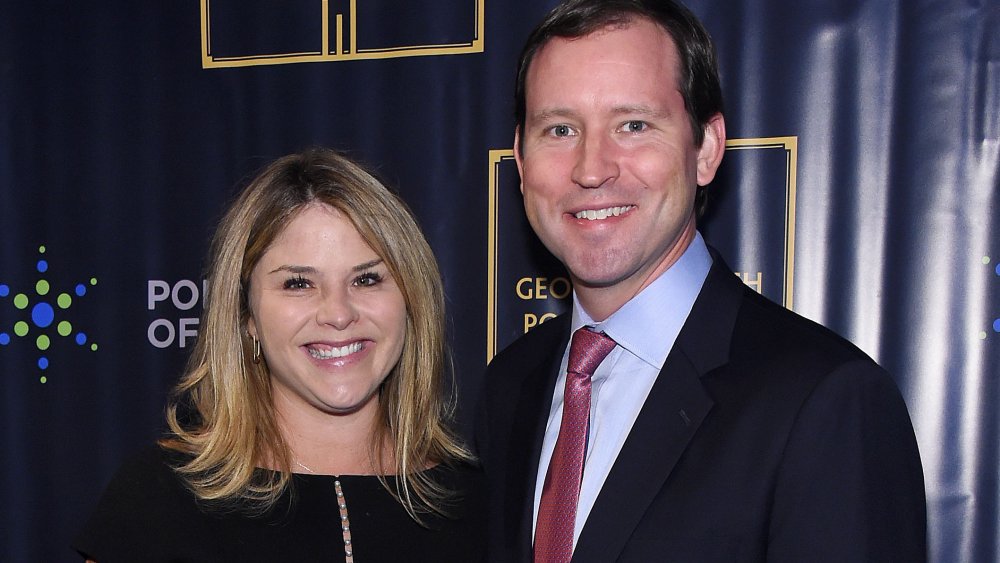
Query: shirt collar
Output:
(648,324)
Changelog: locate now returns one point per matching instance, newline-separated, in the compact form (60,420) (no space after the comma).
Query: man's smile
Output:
(604,213)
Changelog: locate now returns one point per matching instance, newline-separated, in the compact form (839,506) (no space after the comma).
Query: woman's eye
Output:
(298,282)
(368,279)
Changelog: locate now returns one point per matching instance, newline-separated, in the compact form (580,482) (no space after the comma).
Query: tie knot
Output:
(587,350)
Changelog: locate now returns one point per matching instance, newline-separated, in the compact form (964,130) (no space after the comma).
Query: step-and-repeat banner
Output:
(859,188)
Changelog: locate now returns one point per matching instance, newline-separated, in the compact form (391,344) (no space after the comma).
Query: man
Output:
(691,419)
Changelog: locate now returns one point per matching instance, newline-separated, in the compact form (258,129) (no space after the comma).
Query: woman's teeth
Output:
(330,353)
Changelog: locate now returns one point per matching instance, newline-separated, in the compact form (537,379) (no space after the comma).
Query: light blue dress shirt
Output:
(644,329)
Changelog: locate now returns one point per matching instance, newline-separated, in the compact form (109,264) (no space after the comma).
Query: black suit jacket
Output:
(765,437)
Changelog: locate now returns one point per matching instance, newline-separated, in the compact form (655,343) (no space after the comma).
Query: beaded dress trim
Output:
(345,522)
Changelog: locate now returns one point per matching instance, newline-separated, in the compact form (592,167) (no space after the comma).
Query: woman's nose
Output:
(337,309)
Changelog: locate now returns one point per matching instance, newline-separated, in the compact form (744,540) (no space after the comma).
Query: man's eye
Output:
(368,279)
(298,282)
(561,130)
(634,126)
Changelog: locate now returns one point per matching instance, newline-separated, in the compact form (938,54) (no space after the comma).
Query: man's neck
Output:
(602,302)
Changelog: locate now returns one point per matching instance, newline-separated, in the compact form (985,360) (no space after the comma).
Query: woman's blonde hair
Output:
(221,412)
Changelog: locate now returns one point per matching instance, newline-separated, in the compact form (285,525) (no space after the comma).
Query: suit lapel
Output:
(675,408)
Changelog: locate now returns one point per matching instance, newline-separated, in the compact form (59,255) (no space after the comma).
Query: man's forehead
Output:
(626,24)
(648,52)
(638,29)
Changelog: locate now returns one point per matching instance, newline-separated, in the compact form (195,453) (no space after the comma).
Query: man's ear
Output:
(517,156)
(713,146)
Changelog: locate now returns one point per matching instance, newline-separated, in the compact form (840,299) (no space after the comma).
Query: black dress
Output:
(147,515)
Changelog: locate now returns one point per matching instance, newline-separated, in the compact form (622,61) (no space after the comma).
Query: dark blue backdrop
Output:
(861,190)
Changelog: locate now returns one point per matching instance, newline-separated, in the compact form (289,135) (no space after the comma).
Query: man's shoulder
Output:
(731,324)
(766,328)
(782,364)
(778,357)
(535,345)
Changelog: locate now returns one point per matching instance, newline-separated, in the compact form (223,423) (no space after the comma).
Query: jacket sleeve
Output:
(850,485)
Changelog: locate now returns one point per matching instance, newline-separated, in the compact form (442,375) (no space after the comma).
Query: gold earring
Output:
(256,350)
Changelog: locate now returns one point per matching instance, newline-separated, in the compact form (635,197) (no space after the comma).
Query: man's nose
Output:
(595,162)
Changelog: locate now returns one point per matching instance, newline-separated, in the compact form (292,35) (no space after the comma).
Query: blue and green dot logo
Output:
(43,306)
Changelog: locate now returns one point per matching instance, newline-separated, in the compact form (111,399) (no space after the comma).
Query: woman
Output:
(311,422)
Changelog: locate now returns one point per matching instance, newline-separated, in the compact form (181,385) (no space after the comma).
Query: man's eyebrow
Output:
(624,109)
(639,109)
(547,114)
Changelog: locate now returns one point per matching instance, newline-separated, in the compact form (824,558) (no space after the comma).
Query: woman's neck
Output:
(333,444)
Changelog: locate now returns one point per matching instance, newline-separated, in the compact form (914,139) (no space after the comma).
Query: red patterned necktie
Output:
(561,491)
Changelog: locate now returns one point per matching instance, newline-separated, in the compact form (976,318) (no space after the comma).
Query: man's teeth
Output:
(335,352)
(596,214)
